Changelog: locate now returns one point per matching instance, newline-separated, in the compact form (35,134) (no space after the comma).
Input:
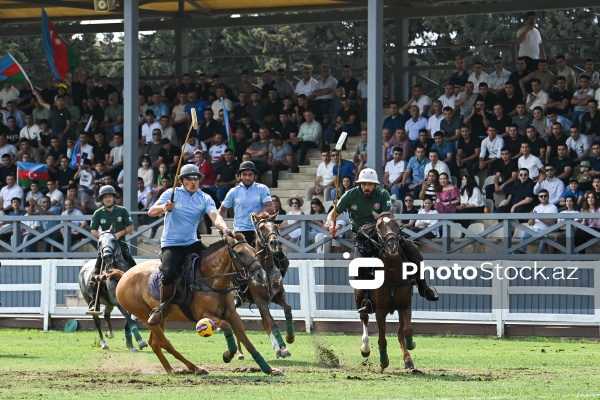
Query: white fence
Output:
(322,291)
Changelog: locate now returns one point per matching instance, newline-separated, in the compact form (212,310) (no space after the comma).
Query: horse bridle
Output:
(246,268)
(264,241)
(379,244)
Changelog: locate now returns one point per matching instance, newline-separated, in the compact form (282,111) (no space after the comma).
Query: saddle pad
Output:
(183,284)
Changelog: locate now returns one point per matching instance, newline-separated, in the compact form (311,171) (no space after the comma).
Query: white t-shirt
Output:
(538,225)
(424,100)
(447,101)
(582,143)
(436,231)
(395,169)
(541,98)
(532,163)
(31,132)
(306,88)
(491,148)
(483,77)
(433,123)
(86,179)
(530,46)
(325,172)
(216,152)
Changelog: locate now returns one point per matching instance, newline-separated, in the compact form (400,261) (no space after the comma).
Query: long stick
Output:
(338,147)
(194,125)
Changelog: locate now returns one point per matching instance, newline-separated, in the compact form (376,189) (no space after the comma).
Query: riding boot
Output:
(157,314)
(427,291)
(366,306)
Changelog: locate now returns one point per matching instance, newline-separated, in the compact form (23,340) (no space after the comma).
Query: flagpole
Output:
(21,68)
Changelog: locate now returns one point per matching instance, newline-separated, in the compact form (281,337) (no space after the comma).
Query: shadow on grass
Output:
(17,356)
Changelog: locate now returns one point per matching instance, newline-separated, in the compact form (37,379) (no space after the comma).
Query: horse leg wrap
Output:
(128,340)
(289,323)
(383,356)
(278,337)
(264,366)
(136,333)
(410,344)
(231,346)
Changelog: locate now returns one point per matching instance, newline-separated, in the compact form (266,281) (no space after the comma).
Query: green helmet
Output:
(106,189)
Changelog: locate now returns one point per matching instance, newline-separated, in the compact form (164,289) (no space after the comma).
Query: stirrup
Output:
(92,306)
(366,307)
(158,311)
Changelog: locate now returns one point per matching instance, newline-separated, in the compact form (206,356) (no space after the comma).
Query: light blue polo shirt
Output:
(418,168)
(245,201)
(181,224)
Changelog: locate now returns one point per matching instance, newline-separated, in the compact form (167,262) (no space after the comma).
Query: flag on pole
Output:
(61,57)
(230,141)
(76,156)
(27,172)
(10,70)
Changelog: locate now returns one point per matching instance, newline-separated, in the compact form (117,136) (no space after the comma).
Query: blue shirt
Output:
(394,123)
(160,110)
(200,106)
(443,150)
(418,169)
(569,192)
(413,127)
(182,223)
(245,201)
(46,225)
(347,170)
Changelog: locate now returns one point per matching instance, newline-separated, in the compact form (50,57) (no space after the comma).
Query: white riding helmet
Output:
(368,175)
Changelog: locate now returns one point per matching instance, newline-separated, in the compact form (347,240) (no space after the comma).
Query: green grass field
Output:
(56,365)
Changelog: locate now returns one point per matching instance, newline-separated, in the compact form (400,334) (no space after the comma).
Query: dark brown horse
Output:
(394,295)
(222,260)
(267,248)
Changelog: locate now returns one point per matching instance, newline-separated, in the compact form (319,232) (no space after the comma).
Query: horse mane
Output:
(219,244)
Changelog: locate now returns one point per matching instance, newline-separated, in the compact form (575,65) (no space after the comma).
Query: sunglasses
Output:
(550,170)
(295,202)
(192,178)
(543,195)
(408,200)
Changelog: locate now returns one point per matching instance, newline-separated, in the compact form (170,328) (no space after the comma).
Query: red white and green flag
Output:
(61,57)
(27,172)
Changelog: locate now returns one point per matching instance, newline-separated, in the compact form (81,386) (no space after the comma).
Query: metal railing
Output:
(499,238)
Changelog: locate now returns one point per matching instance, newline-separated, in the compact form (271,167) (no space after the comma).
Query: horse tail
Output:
(115,275)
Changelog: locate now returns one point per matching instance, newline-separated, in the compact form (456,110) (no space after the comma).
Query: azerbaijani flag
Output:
(27,172)
(61,57)
(10,70)
(231,143)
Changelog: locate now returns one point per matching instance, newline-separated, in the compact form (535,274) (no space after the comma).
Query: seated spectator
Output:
(491,148)
(584,176)
(545,78)
(150,125)
(70,210)
(580,100)
(513,141)
(34,192)
(81,200)
(144,197)
(565,71)
(540,123)
(85,176)
(448,98)
(10,191)
(520,199)
(409,209)
(34,153)
(436,118)
(394,172)
(324,179)
(459,78)
(578,145)
(316,208)
(468,149)
(208,128)
(505,172)
(400,139)
(478,119)
(45,207)
(432,185)
(509,99)
(590,205)
(7,168)
(31,132)
(471,199)
(529,161)
(395,120)
(554,117)
(415,124)
(259,149)
(521,118)
(445,150)
(537,145)
(448,199)
(594,160)
(309,136)
(414,174)
(361,150)
(250,126)
(590,121)
(295,202)
(146,172)
(347,184)
(537,97)
(279,158)
(277,207)
(450,125)
(554,141)
(227,175)
(347,167)
(347,120)
(540,224)
(16,207)
(436,163)
(422,101)
(240,144)
(423,224)
(559,99)
(572,192)
(488,97)
(499,77)
(571,207)
(551,184)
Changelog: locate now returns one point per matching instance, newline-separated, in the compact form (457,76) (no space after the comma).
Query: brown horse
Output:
(267,247)
(229,257)
(394,295)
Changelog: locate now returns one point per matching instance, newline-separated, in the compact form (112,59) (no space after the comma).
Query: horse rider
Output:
(184,208)
(107,216)
(247,198)
(360,202)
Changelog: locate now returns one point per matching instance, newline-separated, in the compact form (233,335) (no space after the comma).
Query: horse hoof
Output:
(365,354)
(278,354)
(411,345)
(276,372)
(133,349)
(285,353)
(227,357)
(384,364)
(240,356)
(290,338)
(104,346)
(409,365)
(109,334)
(201,371)
(142,344)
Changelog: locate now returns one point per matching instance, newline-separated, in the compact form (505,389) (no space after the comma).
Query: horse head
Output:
(267,233)
(108,248)
(244,258)
(388,232)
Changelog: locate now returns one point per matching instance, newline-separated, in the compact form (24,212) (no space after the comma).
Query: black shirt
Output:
(240,148)
(501,124)
(520,191)
(59,119)
(553,143)
(506,170)
(459,80)
(273,108)
(536,146)
(228,172)
(208,130)
(515,77)
(490,100)
(168,156)
(560,96)
(560,165)
(408,212)
(508,103)
(514,145)
(100,152)
(349,86)
(590,125)
(346,114)
(468,149)
(478,128)
(12,136)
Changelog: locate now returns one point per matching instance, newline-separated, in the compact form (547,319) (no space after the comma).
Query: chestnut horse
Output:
(267,247)
(112,260)
(394,295)
(212,298)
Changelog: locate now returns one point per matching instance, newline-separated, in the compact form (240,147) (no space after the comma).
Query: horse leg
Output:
(97,322)
(107,310)
(131,326)
(238,329)
(270,326)
(128,340)
(365,349)
(405,332)
(240,353)
(158,342)
(384,360)
(281,300)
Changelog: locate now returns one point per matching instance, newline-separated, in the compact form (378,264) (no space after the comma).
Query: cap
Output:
(573,180)
(62,85)
(198,151)
(586,164)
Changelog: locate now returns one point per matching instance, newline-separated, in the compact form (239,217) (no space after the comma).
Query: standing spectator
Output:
(530,44)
